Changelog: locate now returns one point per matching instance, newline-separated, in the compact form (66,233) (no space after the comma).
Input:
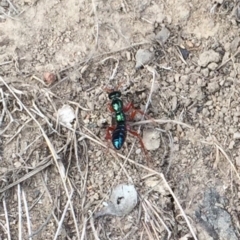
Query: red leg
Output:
(133,112)
(108,134)
(141,142)
(127,107)
(110,107)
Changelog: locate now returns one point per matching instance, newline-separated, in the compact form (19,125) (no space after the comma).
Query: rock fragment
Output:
(213,87)
(143,57)
(236,135)
(122,201)
(207,57)
(66,115)
(151,139)
(163,36)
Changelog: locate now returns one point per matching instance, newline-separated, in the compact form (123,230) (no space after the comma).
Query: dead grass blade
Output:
(4,107)
(18,131)
(179,206)
(36,170)
(153,210)
(63,216)
(19,212)
(27,214)
(6,218)
(161,121)
(42,226)
(51,148)
(93,227)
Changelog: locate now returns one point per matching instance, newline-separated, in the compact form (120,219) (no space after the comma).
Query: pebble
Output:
(234,44)
(128,55)
(212,66)
(236,135)
(213,87)
(231,145)
(163,35)
(143,57)
(238,161)
(235,119)
(224,110)
(174,103)
(205,112)
(138,151)
(205,72)
(237,114)
(151,139)
(207,57)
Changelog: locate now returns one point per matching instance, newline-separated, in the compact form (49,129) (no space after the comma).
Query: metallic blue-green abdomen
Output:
(119,135)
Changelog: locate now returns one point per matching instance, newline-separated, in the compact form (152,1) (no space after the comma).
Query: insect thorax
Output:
(120,117)
(117,105)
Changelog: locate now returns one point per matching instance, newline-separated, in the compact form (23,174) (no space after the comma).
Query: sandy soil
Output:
(53,178)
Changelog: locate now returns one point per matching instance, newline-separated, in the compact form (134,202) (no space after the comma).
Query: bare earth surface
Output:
(53,178)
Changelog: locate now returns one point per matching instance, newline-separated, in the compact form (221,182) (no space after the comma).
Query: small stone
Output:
(42,59)
(224,110)
(205,112)
(194,94)
(213,87)
(235,119)
(189,44)
(234,44)
(17,164)
(128,55)
(236,135)
(209,103)
(177,77)
(66,40)
(238,161)
(138,151)
(207,57)
(49,77)
(231,145)
(151,139)
(163,35)
(212,66)
(174,103)
(205,72)
(143,57)
(227,46)
(123,200)
(199,82)
(98,153)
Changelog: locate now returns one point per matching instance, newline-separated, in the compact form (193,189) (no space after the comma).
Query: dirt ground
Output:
(54,177)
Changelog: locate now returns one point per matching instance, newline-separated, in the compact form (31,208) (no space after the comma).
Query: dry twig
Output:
(7,220)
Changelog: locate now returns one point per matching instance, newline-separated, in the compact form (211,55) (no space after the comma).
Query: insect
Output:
(119,131)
